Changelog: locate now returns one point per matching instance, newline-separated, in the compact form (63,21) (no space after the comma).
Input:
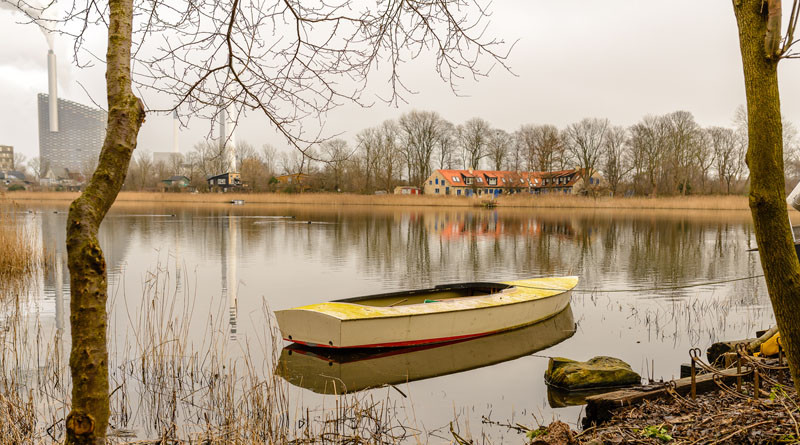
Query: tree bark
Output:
(88,420)
(767,189)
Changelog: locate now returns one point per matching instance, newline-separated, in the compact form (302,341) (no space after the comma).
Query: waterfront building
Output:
(497,182)
(74,142)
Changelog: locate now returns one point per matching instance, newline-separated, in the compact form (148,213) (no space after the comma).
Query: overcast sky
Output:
(615,59)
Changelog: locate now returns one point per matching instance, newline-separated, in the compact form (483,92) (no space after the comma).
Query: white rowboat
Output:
(444,313)
(339,371)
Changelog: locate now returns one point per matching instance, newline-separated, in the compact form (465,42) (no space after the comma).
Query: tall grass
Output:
(728,202)
(171,384)
(21,254)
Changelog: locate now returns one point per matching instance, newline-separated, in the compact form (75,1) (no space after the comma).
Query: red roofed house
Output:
(492,183)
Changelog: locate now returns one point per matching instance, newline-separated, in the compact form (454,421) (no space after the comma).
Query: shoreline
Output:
(688,203)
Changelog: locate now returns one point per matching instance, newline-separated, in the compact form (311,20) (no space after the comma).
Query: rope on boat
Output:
(652,289)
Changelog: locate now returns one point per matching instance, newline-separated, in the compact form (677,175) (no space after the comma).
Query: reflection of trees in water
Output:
(413,247)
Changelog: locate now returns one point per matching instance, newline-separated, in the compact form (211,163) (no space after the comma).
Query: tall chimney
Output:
(227,138)
(175,123)
(52,87)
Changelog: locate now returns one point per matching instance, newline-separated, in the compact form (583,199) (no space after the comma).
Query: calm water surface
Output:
(633,304)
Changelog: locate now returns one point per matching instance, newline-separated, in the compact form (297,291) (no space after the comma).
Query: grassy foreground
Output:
(521,201)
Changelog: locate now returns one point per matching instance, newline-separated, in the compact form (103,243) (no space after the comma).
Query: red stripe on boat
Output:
(397,344)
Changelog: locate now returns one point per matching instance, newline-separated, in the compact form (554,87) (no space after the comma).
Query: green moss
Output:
(597,372)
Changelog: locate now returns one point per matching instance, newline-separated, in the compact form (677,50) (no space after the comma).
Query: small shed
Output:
(176,181)
(407,190)
(225,181)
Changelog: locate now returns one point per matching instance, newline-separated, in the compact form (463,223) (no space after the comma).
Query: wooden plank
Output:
(599,407)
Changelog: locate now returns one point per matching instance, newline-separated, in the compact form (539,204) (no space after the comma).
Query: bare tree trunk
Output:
(88,420)
(767,190)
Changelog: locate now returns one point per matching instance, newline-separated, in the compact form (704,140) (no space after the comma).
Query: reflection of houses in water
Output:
(230,281)
(466,226)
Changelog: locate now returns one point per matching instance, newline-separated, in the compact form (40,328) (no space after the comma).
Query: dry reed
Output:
(22,254)
(728,202)
(173,385)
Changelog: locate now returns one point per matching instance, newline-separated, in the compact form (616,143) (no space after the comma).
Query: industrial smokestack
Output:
(227,138)
(175,123)
(52,89)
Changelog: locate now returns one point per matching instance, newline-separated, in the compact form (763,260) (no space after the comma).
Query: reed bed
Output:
(726,202)
(22,254)
(171,383)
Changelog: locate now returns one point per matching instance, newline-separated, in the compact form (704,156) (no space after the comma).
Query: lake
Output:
(653,284)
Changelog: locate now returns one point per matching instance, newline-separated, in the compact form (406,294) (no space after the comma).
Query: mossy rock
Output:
(598,372)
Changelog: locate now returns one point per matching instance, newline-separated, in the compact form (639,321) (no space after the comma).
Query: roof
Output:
(504,178)
(510,178)
(176,178)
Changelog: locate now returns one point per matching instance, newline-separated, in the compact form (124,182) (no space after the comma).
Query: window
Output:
(436,191)
(220,181)
(492,181)
(456,179)
(468,181)
(479,179)
(437,181)
(430,182)
(458,192)
(504,180)
(522,180)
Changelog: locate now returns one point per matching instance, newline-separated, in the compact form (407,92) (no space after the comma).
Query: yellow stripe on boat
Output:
(523,290)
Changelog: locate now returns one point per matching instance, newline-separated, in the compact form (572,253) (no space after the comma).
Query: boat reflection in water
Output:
(329,371)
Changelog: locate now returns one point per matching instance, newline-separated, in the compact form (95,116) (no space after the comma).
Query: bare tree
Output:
(369,141)
(290,61)
(585,141)
(646,142)
(336,152)
(35,164)
(419,133)
(499,148)
(728,154)
(548,147)
(18,161)
(446,146)
(616,162)
(762,47)
(389,156)
(209,158)
(269,156)
(473,137)
(525,141)
(244,150)
(703,154)
(682,137)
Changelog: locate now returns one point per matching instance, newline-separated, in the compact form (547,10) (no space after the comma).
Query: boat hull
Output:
(329,371)
(350,325)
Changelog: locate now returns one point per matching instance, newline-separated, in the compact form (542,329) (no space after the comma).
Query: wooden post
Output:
(694,379)
(739,371)
(756,389)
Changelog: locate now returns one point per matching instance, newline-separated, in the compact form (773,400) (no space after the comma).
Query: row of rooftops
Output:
(509,179)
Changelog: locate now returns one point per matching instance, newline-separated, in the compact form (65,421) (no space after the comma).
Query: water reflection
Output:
(233,260)
(338,372)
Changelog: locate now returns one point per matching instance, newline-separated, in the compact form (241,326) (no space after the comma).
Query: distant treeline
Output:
(660,155)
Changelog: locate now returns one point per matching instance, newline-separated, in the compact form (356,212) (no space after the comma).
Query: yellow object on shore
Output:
(770,347)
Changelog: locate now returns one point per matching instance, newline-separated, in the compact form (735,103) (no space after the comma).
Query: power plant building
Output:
(75,139)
